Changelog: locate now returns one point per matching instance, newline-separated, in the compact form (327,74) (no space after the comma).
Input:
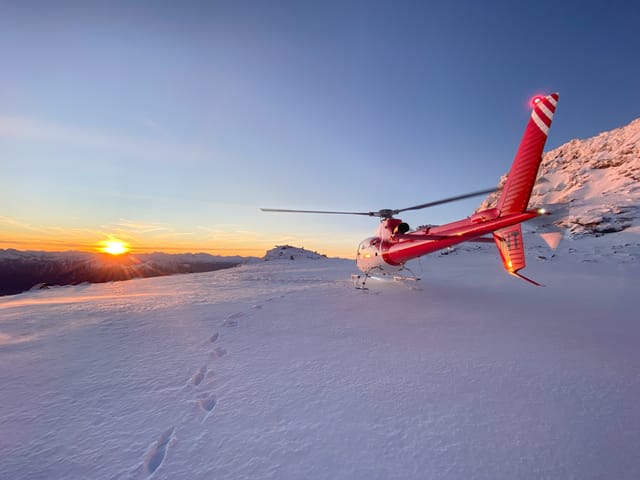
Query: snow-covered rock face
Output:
(592,186)
(287,252)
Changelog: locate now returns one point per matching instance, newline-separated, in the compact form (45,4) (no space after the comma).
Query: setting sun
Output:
(113,246)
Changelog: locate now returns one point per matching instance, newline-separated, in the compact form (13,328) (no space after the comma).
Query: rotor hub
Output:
(384,214)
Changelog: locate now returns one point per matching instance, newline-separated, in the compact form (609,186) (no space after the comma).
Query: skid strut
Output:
(359,281)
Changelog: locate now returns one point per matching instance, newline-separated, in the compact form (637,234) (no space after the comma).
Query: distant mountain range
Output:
(20,271)
(591,186)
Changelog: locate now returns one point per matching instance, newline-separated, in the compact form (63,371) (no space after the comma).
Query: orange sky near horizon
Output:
(87,245)
(56,246)
(25,237)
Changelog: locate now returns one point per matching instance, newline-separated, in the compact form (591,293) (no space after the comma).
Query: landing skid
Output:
(359,281)
(410,282)
(400,278)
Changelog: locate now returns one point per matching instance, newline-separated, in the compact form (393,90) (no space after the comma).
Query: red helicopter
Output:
(394,244)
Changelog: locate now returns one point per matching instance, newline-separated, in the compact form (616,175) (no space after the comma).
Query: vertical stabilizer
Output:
(524,170)
(511,247)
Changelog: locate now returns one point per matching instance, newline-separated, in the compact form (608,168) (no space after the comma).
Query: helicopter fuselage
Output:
(387,252)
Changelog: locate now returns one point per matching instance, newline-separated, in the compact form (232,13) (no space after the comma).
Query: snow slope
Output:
(281,370)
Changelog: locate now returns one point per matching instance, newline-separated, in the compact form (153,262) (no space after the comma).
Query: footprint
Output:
(208,403)
(218,352)
(198,377)
(232,320)
(158,452)
(257,307)
(214,337)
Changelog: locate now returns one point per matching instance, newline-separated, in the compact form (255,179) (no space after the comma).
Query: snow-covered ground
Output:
(282,370)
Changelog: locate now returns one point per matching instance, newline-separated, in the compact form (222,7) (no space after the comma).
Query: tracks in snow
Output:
(205,396)
(198,377)
(158,452)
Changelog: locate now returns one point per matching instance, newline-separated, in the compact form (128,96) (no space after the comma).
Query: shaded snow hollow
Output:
(281,370)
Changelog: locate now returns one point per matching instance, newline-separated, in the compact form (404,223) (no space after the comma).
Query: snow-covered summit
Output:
(591,185)
(287,252)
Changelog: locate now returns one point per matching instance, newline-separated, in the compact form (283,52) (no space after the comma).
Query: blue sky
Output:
(169,124)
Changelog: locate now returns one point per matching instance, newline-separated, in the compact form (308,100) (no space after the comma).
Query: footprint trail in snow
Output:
(158,452)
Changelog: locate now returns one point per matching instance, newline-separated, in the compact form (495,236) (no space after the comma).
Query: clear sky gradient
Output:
(168,124)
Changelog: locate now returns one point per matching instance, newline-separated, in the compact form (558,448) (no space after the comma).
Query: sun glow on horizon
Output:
(114,246)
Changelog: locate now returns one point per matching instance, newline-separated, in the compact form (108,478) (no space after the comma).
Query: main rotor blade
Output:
(385,213)
(286,210)
(447,200)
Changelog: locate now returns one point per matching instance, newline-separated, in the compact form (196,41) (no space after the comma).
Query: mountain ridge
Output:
(22,270)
